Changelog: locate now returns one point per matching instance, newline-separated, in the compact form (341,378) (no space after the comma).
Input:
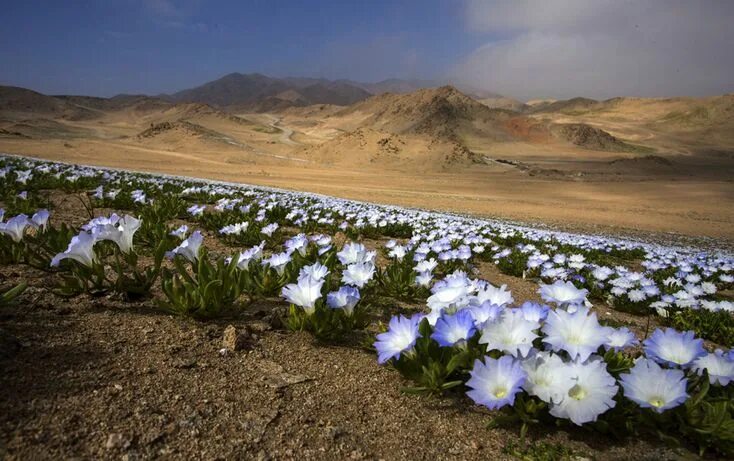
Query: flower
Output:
(650,386)
(577,333)
(196,210)
(317,271)
(189,248)
(15,227)
(534,312)
(269,229)
(121,232)
(353,253)
(234,229)
(400,337)
(345,299)
(180,233)
(495,382)
(510,333)
(81,249)
(672,348)
(358,274)
(497,296)
(305,293)
(589,392)
(563,294)
(486,312)
(253,254)
(278,262)
(546,376)
(720,367)
(621,338)
(452,330)
(40,219)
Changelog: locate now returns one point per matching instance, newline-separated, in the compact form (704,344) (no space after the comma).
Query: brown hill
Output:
(255,91)
(23,103)
(588,137)
(442,112)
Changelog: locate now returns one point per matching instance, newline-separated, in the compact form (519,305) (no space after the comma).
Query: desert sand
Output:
(651,168)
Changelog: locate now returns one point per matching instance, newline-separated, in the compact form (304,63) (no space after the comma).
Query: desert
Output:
(481,229)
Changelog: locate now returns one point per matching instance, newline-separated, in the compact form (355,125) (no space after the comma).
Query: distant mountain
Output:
(246,91)
(257,92)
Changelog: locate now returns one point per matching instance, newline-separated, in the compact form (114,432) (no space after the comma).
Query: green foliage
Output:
(514,264)
(397,280)
(433,368)
(325,323)
(113,271)
(714,326)
(9,295)
(207,290)
(42,246)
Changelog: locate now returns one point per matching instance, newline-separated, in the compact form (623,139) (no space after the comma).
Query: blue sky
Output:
(521,48)
(109,47)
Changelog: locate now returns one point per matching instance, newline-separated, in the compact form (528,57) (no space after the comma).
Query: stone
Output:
(236,340)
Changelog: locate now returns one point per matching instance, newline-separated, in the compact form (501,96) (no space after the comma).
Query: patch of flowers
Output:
(205,249)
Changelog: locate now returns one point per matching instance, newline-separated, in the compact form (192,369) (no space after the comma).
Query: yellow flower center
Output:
(500,392)
(656,402)
(577,392)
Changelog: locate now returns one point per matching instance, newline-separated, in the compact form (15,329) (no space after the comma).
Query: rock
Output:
(236,340)
(117,440)
(184,363)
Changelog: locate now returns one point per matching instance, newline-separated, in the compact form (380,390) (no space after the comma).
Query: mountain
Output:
(440,112)
(260,93)
(248,91)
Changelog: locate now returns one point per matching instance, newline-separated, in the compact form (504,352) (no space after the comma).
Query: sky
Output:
(525,49)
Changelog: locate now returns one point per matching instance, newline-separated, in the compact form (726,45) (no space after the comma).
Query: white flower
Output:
(358,274)
(577,333)
(15,227)
(589,392)
(121,232)
(317,271)
(510,333)
(189,248)
(304,294)
(562,293)
(546,376)
(81,249)
(278,262)
(497,296)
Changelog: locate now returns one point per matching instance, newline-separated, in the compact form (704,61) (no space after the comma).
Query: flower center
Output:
(577,392)
(656,402)
(500,392)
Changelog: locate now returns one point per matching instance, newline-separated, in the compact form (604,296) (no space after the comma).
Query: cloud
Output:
(603,48)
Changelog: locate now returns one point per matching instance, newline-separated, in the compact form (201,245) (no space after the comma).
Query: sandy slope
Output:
(436,149)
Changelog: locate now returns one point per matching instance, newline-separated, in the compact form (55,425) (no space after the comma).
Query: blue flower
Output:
(719,366)
(534,312)
(673,348)
(451,330)
(650,386)
(495,382)
(400,337)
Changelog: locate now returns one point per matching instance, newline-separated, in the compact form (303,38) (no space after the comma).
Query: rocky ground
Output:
(99,378)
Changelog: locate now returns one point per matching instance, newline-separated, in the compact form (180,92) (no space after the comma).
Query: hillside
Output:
(260,92)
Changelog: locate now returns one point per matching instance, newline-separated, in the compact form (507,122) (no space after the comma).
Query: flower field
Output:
(528,343)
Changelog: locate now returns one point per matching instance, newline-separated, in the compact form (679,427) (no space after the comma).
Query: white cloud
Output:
(603,48)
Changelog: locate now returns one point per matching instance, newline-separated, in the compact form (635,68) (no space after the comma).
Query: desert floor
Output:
(636,200)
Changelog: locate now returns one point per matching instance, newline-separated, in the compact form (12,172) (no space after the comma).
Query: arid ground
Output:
(645,167)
